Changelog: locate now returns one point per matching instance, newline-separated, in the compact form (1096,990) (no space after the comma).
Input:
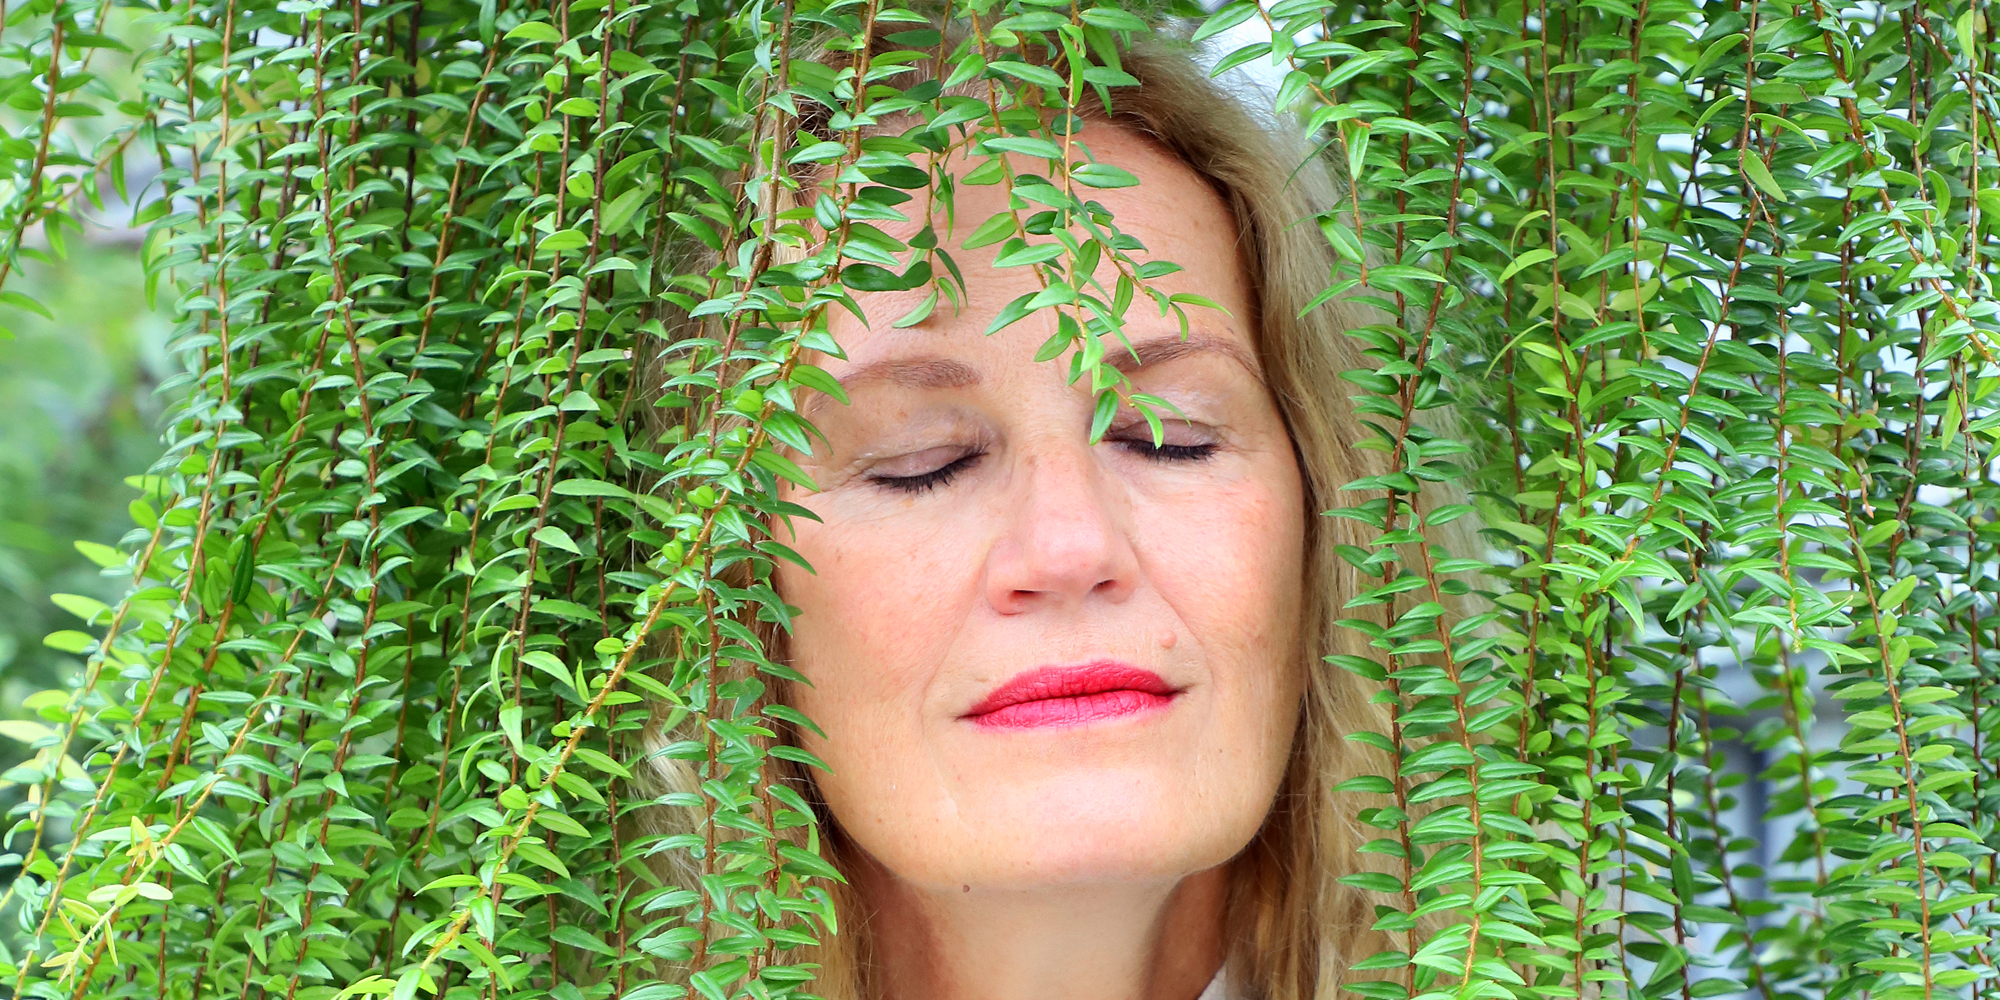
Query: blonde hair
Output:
(1295,927)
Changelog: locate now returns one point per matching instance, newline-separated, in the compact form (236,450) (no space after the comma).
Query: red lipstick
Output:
(1072,696)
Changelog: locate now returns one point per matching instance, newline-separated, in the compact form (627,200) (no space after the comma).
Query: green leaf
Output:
(922,311)
(86,608)
(20,301)
(818,380)
(25,732)
(1372,882)
(568,239)
(1103,175)
(1040,76)
(533,32)
(590,488)
(1229,16)
(1527,258)
(68,641)
(1760,175)
(548,663)
(560,823)
(998,227)
(448,882)
(557,538)
(565,609)
(1019,253)
(1897,593)
(619,211)
(536,854)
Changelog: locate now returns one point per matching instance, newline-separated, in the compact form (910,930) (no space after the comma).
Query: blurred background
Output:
(77,417)
(78,411)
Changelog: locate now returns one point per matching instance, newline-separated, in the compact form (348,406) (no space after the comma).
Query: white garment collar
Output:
(1218,988)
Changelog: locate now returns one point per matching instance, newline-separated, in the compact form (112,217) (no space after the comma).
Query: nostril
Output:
(1064,540)
(1114,589)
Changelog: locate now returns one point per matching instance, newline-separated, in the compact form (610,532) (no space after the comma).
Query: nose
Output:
(1067,538)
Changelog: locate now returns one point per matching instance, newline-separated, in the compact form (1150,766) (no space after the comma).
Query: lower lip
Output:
(1073,711)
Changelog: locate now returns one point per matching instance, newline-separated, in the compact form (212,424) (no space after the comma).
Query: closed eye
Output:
(1145,448)
(924,482)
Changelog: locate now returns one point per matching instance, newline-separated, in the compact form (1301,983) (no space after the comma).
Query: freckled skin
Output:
(1046,550)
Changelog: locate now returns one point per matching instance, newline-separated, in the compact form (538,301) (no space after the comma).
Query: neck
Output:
(1147,941)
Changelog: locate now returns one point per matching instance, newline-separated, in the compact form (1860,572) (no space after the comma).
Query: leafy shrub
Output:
(1713,279)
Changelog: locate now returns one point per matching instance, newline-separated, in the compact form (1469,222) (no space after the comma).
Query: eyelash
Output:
(928,481)
(944,474)
(1170,452)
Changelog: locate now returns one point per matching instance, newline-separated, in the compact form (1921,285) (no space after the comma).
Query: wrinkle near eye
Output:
(918,463)
(1173,432)
(877,437)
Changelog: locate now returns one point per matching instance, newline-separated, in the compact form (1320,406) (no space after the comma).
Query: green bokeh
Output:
(77,416)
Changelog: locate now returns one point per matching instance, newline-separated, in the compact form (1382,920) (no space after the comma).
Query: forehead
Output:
(1173,210)
(1174,213)
(935,366)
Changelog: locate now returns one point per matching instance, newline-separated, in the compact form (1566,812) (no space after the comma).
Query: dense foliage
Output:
(1711,281)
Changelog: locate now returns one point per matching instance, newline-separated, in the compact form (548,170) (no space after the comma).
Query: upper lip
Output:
(1043,683)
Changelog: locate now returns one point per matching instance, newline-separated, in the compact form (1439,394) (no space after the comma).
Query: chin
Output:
(1082,832)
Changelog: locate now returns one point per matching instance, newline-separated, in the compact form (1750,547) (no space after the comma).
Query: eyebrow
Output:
(1160,350)
(945,373)
(914,373)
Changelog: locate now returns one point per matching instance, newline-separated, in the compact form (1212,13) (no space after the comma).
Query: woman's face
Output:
(1042,662)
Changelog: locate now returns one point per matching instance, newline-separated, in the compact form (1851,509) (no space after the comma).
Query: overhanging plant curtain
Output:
(1710,284)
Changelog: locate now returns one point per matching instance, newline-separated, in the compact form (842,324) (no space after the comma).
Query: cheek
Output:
(873,621)
(1231,560)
